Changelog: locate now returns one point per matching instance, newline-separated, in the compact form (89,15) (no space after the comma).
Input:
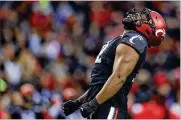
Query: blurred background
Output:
(47,51)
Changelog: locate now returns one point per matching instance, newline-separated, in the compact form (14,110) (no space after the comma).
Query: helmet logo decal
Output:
(160,31)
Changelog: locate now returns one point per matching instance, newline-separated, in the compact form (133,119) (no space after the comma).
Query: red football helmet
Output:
(148,23)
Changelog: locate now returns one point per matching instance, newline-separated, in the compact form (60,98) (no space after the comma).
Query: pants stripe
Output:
(116,114)
(111,113)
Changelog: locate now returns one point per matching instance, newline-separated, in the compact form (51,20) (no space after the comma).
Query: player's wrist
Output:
(98,100)
(78,102)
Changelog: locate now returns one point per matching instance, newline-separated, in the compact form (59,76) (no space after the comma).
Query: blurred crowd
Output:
(47,51)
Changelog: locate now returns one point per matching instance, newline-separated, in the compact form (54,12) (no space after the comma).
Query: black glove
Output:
(88,108)
(71,106)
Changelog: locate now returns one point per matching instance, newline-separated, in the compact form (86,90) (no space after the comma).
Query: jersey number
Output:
(98,58)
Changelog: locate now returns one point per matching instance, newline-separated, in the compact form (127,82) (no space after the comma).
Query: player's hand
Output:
(88,108)
(70,106)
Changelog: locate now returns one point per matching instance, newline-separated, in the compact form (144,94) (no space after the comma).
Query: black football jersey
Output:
(105,60)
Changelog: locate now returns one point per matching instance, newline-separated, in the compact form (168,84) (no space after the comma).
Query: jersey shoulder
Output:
(136,41)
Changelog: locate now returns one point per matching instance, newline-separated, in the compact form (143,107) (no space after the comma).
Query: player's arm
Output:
(125,61)
(71,106)
(82,98)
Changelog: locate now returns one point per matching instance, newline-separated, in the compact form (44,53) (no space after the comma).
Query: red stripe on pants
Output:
(116,114)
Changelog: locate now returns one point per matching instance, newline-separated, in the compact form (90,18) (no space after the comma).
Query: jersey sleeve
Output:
(136,41)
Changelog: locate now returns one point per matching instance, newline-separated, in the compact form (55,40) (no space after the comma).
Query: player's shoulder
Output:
(135,40)
(134,37)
